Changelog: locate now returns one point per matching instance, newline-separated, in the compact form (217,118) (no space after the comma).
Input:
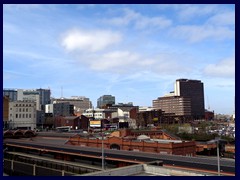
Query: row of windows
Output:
(24,115)
(23,109)
(24,105)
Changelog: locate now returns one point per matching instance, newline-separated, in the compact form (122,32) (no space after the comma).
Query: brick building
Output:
(176,147)
(75,122)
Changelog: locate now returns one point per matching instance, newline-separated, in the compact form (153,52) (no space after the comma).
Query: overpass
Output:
(60,150)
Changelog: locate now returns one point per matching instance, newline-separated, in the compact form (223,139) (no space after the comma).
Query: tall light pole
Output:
(102,146)
(218,157)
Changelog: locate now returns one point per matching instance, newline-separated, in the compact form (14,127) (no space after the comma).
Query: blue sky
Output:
(134,52)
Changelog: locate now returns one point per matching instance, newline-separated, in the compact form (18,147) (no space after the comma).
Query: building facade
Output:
(80,103)
(195,91)
(22,115)
(29,95)
(44,97)
(5,111)
(59,109)
(185,102)
(94,113)
(11,93)
(104,100)
(180,106)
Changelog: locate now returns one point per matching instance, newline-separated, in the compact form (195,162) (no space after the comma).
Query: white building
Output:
(145,108)
(29,95)
(22,115)
(98,113)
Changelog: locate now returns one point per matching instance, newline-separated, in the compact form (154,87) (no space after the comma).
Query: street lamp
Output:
(102,146)
(218,157)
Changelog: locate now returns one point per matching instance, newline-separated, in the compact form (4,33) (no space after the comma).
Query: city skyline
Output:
(133,52)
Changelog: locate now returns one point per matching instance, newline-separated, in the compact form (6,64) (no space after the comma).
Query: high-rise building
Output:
(11,93)
(195,91)
(180,106)
(104,100)
(44,97)
(186,101)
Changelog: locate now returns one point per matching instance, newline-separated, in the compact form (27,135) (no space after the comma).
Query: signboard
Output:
(95,123)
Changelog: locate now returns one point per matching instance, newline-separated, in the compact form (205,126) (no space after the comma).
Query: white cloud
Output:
(139,21)
(219,24)
(90,41)
(190,11)
(10,28)
(197,33)
(158,22)
(222,69)
(116,61)
(226,18)
(21,6)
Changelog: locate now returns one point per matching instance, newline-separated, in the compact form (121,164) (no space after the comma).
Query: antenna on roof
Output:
(61,92)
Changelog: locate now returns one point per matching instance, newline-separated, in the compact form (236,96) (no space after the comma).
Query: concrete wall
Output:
(124,171)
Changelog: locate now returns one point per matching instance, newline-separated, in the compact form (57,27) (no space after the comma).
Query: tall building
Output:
(104,100)
(195,91)
(187,100)
(11,93)
(44,97)
(29,95)
(180,106)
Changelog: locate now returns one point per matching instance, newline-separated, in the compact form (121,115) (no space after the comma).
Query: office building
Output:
(180,106)
(195,91)
(11,93)
(80,103)
(104,100)
(186,101)
(29,95)
(22,115)
(44,97)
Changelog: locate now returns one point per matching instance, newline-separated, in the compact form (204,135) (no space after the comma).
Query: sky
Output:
(133,52)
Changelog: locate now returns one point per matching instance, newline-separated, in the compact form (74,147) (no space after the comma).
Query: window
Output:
(23,109)
(20,110)
(29,115)
(26,109)
(26,115)
(23,115)
(16,115)
(19,115)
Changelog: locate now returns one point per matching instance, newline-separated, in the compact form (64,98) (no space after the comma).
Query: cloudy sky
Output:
(134,52)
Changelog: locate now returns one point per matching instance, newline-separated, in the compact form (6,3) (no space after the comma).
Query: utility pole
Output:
(102,149)
(218,157)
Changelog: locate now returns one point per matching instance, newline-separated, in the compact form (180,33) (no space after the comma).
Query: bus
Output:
(64,128)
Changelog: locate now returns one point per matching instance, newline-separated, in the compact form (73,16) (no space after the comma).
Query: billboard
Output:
(95,123)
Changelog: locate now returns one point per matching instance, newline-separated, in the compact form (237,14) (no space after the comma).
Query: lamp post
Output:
(102,146)
(218,157)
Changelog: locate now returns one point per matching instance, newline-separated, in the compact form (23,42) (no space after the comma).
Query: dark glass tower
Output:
(104,100)
(195,91)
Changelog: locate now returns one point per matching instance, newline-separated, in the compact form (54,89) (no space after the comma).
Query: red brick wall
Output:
(184,148)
